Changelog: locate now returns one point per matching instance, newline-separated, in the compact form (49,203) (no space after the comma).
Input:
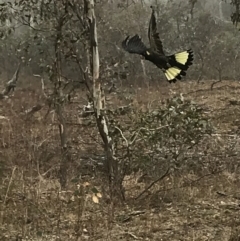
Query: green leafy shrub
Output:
(157,139)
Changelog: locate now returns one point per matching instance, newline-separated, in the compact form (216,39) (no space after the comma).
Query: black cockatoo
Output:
(174,66)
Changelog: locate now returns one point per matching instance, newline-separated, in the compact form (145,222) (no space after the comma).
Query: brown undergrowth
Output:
(182,206)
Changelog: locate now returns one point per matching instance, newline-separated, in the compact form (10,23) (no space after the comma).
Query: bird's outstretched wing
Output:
(153,35)
(134,45)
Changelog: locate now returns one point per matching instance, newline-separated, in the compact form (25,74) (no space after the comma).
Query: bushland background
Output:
(176,146)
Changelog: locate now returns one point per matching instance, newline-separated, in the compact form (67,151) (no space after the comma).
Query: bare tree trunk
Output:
(58,100)
(111,163)
(65,156)
(192,5)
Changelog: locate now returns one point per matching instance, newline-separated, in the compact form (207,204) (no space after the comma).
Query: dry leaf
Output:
(95,199)
(85,184)
(99,195)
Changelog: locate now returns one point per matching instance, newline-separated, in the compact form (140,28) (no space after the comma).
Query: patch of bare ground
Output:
(182,207)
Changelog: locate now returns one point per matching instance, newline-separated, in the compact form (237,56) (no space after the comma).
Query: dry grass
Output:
(33,207)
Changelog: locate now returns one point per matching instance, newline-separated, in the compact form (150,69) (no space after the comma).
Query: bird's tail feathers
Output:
(179,63)
(174,73)
(182,59)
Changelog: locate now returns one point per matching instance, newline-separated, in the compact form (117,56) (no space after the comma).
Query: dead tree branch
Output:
(12,83)
(153,183)
(39,106)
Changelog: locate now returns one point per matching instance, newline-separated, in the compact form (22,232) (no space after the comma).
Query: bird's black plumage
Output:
(134,45)
(173,66)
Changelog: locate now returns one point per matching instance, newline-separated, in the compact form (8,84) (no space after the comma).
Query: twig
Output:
(214,83)
(34,109)
(136,133)
(42,82)
(136,213)
(217,88)
(6,195)
(221,194)
(133,235)
(11,84)
(154,182)
(125,139)
(9,184)
(192,181)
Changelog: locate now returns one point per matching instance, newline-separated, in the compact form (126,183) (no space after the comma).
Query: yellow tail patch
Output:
(172,73)
(182,57)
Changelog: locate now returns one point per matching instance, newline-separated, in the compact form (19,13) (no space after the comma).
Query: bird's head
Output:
(152,7)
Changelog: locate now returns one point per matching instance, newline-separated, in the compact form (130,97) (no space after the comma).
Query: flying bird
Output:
(173,66)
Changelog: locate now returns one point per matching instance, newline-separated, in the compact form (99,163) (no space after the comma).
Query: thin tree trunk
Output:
(64,147)
(58,105)
(111,163)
